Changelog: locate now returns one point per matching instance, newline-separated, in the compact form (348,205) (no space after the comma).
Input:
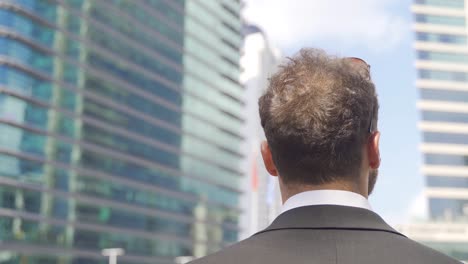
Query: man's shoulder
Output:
(233,253)
(419,252)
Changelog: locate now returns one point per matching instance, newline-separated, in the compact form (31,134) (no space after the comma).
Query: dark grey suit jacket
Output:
(327,234)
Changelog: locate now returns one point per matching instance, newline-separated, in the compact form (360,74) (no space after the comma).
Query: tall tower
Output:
(120,127)
(442,64)
(441,32)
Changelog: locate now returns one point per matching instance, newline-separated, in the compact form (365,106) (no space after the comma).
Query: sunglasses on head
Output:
(363,66)
(360,64)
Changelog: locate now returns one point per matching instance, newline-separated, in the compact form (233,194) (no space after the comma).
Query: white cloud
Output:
(418,209)
(353,23)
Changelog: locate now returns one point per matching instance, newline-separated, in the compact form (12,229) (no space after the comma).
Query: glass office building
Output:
(119,128)
(442,63)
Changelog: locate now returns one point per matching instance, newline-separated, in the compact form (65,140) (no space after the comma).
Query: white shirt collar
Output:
(322,197)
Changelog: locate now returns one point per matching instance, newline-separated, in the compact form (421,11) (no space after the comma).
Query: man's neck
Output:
(289,190)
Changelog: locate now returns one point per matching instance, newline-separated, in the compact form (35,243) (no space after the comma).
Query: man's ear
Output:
(373,150)
(268,159)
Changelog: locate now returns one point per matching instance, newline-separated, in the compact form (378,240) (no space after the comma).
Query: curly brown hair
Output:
(316,115)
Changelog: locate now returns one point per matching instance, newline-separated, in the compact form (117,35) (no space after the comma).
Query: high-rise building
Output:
(262,200)
(120,127)
(441,29)
(442,64)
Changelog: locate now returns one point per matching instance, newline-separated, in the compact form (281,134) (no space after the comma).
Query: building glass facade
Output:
(120,127)
(442,58)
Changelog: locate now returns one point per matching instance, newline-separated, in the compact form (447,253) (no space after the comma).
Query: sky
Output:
(378,31)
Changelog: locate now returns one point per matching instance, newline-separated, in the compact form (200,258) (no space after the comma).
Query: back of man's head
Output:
(317,114)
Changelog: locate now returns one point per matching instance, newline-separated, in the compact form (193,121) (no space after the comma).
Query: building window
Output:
(444,95)
(442,3)
(447,181)
(441,20)
(445,159)
(441,38)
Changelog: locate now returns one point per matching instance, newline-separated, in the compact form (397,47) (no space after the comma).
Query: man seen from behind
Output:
(320,115)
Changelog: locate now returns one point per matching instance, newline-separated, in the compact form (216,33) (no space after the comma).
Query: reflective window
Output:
(446,181)
(441,38)
(36,116)
(445,116)
(104,216)
(441,20)
(444,75)
(105,138)
(137,79)
(130,33)
(118,118)
(22,169)
(448,138)
(157,177)
(26,27)
(73,23)
(448,209)
(37,144)
(200,89)
(445,159)
(444,95)
(75,3)
(169,11)
(32,143)
(45,9)
(25,55)
(103,188)
(442,3)
(230,25)
(90,240)
(108,90)
(24,84)
(132,53)
(69,99)
(141,15)
(443,56)
(66,126)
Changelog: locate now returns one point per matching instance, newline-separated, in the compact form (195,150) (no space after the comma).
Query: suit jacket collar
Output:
(330,217)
